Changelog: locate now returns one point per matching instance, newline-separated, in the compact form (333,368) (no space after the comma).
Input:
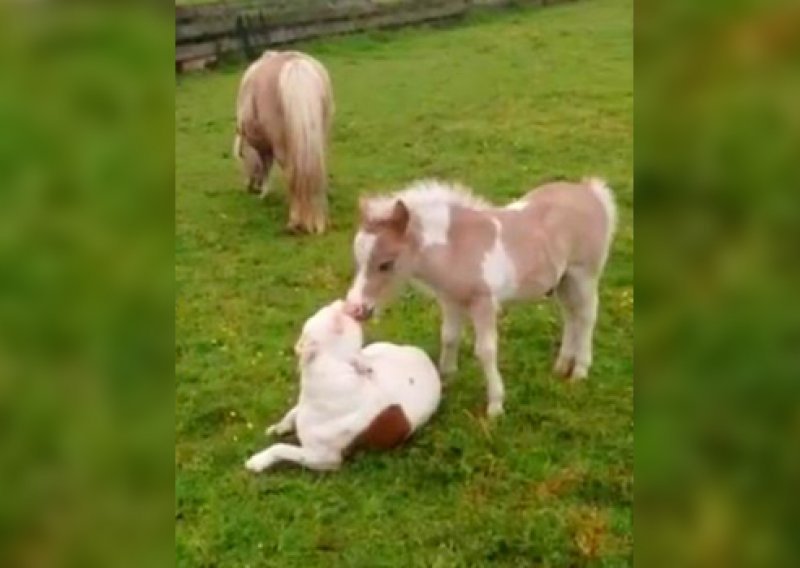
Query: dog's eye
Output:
(386,266)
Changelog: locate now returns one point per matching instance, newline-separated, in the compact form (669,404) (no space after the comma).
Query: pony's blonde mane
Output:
(424,194)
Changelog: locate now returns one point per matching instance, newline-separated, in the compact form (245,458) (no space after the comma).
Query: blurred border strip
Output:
(86,271)
(717,274)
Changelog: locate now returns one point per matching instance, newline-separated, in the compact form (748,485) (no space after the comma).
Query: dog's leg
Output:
(316,459)
(285,425)
(362,366)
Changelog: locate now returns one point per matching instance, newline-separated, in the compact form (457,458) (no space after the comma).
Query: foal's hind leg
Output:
(577,294)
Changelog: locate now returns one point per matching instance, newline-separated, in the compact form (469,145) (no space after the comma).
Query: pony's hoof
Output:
(295,229)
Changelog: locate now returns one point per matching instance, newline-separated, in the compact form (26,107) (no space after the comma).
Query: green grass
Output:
(501,102)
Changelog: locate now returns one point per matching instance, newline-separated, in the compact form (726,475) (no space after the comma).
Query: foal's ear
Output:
(400,217)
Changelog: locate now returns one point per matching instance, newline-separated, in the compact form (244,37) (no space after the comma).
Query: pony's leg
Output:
(320,215)
(252,163)
(266,183)
(484,319)
(295,224)
(312,458)
(286,424)
(577,293)
(452,324)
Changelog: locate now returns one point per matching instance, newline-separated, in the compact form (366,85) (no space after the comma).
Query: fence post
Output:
(244,36)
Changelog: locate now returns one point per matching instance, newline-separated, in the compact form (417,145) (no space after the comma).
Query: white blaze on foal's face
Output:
(330,329)
(380,249)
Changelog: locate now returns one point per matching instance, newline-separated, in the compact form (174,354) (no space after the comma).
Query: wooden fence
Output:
(204,32)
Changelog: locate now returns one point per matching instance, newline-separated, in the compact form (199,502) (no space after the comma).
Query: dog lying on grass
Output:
(350,397)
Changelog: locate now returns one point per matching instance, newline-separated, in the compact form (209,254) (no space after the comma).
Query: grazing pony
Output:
(473,256)
(283,112)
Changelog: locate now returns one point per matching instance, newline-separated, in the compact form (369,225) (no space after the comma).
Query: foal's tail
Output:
(306,99)
(606,198)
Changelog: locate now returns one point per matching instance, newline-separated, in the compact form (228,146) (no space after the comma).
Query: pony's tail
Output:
(304,92)
(606,197)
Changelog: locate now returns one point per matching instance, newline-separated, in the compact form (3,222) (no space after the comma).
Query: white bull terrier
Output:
(351,397)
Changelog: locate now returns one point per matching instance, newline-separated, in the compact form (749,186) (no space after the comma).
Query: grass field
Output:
(501,102)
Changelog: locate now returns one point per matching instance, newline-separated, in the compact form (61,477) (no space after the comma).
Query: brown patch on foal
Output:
(387,430)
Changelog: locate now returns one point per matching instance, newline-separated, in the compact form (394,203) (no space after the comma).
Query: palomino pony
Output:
(283,112)
(473,256)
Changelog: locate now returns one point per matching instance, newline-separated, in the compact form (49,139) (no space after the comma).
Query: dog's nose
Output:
(361,312)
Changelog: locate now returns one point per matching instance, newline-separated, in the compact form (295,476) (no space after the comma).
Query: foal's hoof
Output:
(494,410)
(579,372)
(448,371)
(570,370)
(563,367)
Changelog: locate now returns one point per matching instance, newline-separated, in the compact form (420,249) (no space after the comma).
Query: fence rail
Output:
(204,32)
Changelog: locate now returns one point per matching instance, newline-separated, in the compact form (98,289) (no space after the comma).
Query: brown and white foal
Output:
(473,256)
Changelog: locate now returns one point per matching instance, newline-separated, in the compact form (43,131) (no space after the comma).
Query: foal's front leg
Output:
(452,323)
(312,458)
(484,319)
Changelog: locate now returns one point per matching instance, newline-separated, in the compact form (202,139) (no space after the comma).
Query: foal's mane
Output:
(423,194)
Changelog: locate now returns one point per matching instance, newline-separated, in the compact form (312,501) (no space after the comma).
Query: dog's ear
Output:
(306,349)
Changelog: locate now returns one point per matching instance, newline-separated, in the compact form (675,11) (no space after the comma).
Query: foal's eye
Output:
(386,266)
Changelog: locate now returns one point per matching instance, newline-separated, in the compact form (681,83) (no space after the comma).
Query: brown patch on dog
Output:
(387,430)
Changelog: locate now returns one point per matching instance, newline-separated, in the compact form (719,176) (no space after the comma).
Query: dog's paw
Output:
(257,463)
(361,367)
(277,430)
